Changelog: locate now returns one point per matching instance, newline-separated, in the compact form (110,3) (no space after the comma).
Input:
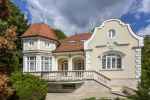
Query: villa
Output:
(104,63)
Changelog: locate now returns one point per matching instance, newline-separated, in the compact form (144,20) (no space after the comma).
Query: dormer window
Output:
(111,33)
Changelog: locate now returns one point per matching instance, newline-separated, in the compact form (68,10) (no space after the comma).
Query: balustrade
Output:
(77,75)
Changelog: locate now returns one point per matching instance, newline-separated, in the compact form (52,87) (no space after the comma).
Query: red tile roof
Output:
(69,44)
(73,43)
(79,37)
(40,29)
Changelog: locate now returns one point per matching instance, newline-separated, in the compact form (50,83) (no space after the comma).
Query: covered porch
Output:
(69,67)
(70,63)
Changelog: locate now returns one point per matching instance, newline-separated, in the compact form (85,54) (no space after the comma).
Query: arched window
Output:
(111,61)
(111,33)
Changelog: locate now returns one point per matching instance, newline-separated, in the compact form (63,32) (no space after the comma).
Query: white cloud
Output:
(145,6)
(76,15)
(145,31)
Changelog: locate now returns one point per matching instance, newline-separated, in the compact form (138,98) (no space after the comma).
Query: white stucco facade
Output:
(113,50)
(125,42)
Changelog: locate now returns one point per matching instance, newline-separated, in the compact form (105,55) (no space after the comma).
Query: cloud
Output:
(145,6)
(76,15)
(145,30)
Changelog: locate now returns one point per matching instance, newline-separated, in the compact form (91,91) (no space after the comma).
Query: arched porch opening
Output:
(63,64)
(78,63)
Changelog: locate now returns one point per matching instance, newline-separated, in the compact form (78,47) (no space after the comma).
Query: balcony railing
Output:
(78,75)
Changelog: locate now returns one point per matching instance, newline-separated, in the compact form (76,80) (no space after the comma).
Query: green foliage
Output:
(60,34)
(3,27)
(91,98)
(143,92)
(145,83)
(29,87)
(14,62)
(15,18)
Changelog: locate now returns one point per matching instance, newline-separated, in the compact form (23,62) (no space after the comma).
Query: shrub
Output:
(29,87)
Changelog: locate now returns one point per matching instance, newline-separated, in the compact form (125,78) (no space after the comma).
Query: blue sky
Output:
(72,16)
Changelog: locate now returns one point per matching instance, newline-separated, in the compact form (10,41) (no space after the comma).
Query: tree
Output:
(4,12)
(29,87)
(13,18)
(145,79)
(143,92)
(5,90)
(10,16)
(8,51)
(60,34)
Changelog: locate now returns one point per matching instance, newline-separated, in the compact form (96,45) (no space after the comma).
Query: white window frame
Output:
(46,60)
(31,43)
(30,67)
(111,35)
(47,44)
(109,58)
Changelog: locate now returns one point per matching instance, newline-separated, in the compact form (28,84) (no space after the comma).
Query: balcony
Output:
(73,76)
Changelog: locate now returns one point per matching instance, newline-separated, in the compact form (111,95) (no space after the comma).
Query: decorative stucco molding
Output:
(139,38)
(114,52)
(138,63)
(100,46)
(121,44)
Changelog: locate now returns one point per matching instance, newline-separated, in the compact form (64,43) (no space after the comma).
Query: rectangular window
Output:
(31,63)
(46,63)
(104,63)
(111,62)
(108,62)
(31,42)
(47,44)
(118,62)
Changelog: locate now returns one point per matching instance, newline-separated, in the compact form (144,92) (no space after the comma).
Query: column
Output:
(54,64)
(25,67)
(87,60)
(38,63)
(70,64)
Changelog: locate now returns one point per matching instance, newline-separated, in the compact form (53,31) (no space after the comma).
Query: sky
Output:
(75,16)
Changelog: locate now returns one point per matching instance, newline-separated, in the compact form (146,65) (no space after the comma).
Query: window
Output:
(46,63)
(47,44)
(31,63)
(111,33)
(111,61)
(31,42)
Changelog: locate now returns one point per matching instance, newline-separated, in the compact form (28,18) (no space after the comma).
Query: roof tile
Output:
(40,29)
(73,43)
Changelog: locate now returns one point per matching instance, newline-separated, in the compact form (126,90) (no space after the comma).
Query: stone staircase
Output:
(80,75)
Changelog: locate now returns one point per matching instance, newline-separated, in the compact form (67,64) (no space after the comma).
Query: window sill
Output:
(111,70)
